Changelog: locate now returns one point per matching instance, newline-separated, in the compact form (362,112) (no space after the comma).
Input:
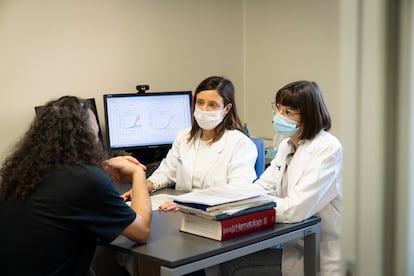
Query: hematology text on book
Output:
(238,227)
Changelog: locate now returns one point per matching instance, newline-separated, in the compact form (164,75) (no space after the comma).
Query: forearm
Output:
(140,201)
(141,204)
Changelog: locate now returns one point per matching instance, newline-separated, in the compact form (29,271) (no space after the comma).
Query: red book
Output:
(225,229)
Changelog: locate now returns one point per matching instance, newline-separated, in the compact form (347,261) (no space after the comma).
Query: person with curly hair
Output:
(57,195)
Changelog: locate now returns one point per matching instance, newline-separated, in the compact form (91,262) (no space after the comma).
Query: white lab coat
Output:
(230,161)
(314,188)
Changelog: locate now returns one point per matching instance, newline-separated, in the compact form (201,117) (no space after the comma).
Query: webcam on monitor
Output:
(141,88)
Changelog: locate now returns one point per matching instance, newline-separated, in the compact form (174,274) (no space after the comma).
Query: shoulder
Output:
(182,135)
(184,132)
(328,139)
(88,171)
(181,139)
(75,183)
(325,142)
(237,135)
(235,139)
(83,176)
(77,171)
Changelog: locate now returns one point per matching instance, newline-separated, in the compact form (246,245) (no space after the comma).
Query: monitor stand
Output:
(151,157)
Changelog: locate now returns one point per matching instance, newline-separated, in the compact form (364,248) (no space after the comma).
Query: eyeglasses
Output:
(286,111)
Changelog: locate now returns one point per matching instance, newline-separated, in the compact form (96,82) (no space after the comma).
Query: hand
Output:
(127,195)
(122,168)
(168,206)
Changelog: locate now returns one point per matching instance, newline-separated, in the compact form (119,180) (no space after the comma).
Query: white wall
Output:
(404,209)
(377,87)
(349,47)
(370,134)
(88,48)
(287,41)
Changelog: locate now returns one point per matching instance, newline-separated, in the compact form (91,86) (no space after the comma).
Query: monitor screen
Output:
(144,120)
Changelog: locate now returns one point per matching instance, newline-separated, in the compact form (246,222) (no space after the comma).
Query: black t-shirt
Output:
(54,231)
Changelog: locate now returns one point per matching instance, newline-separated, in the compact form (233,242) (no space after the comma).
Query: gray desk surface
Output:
(173,249)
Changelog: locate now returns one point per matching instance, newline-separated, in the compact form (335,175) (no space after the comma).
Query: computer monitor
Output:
(145,122)
(92,104)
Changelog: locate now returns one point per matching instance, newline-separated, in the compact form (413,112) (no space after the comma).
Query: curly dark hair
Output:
(60,134)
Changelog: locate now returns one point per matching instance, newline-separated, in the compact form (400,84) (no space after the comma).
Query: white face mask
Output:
(208,120)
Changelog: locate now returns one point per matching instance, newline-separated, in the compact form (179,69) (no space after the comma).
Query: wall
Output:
(89,48)
(287,41)
(404,181)
(371,138)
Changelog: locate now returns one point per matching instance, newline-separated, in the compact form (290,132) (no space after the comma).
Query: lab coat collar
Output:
(304,151)
(217,146)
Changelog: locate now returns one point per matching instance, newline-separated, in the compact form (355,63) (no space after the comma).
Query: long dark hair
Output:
(60,134)
(226,90)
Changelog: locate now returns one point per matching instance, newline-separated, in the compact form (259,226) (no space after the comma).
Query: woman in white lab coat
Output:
(304,178)
(215,151)
(305,175)
(191,165)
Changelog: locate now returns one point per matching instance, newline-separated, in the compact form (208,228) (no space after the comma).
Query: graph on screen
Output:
(150,120)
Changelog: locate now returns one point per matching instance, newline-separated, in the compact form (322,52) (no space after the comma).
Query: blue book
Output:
(193,205)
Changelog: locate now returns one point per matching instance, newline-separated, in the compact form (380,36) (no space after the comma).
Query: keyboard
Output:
(151,167)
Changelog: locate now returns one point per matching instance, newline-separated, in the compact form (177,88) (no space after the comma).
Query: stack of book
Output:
(225,212)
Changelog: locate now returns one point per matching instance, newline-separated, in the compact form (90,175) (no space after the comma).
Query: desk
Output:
(180,253)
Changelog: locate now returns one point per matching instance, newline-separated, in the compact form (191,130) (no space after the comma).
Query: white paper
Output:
(157,200)
(219,195)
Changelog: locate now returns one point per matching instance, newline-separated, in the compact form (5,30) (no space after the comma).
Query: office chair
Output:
(259,166)
(105,263)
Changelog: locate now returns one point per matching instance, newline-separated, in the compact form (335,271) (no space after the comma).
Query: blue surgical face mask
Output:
(284,126)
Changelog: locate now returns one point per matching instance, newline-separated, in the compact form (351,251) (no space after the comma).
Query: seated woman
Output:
(57,197)
(215,151)
(304,177)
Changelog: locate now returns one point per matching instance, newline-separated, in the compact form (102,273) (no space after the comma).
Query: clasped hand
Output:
(122,168)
